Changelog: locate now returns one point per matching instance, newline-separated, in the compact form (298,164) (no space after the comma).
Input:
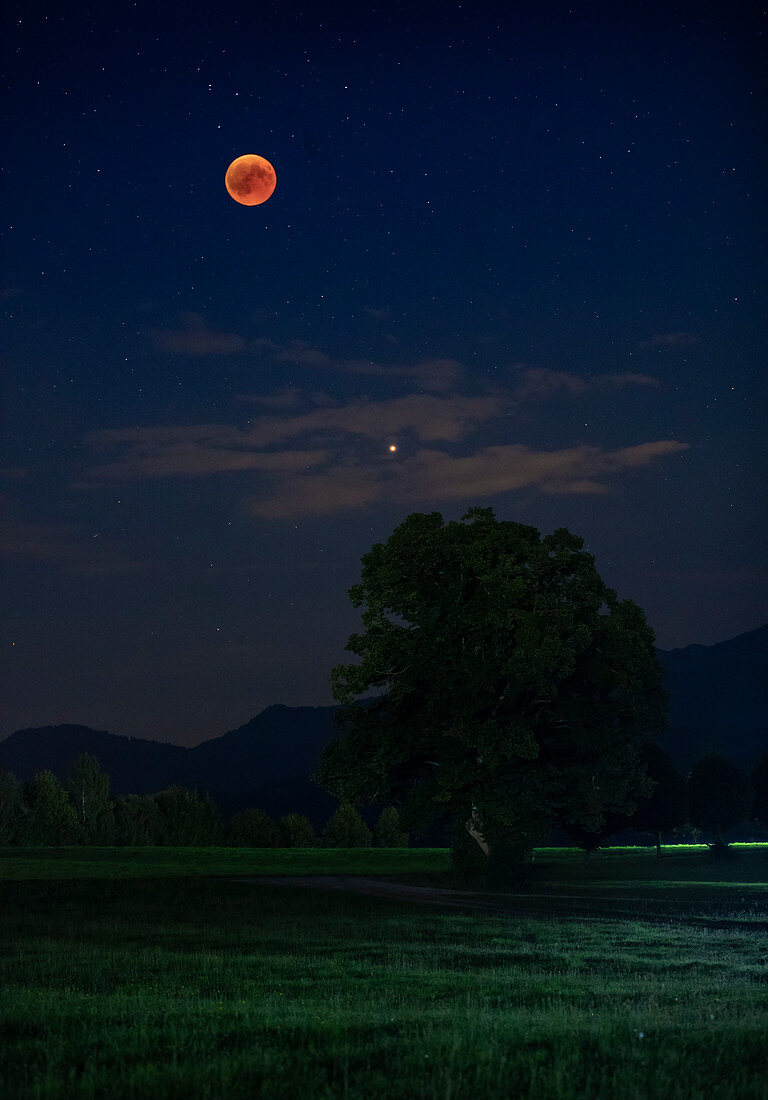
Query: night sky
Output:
(526,250)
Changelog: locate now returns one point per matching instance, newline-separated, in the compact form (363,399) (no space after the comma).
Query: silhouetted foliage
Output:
(666,809)
(50,818)
(591,840)
(187,819)
(389,831)
(719,795)
(515,687)
(11,807)
(346,829)
(297,831)
(88,789)
(138,820)
(760,788)
(253,828)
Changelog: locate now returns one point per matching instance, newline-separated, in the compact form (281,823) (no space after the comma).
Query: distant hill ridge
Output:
(718,702)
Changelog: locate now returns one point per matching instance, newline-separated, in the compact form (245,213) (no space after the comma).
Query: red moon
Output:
(250,179)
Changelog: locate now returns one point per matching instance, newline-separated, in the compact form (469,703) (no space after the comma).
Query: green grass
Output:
(86,862)
(179,985)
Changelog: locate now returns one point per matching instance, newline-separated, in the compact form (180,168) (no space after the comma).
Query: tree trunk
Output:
(658,844)
(473,828)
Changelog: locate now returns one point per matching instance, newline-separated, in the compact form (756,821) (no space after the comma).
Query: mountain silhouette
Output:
(134,765)
(718,697)
(281,743)
(718,700)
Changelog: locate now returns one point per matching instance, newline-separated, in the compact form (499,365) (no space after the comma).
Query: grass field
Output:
(142,973)
(84,862)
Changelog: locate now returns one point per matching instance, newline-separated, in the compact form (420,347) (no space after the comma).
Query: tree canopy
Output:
(346,829)
(515,688)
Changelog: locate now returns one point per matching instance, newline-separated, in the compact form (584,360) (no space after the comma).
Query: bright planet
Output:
(250,179)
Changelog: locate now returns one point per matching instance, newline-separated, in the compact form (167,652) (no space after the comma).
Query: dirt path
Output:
(384,888)
(558,906)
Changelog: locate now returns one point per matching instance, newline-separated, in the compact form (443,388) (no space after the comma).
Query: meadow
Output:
(158,972)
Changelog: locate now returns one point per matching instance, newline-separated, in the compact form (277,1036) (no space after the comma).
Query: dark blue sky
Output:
(527,249)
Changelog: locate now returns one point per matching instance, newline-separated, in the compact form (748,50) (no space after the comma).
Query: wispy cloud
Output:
(195,338)
(200,449)
(670,340)
(64,545)
(428,417)
(430,477)
(189,451)
(332,459)
(306,453)
(431,374)
(540,383)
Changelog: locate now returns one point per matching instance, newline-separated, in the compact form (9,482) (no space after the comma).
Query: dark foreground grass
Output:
(555,870)
(195,987)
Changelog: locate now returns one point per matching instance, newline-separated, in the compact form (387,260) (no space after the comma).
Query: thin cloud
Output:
(431,476)
(288,397)
(540,383)
(62,545)
(670,340)
(428,417)
(202,449)
(331,458)
(431,374)
(195,338)
(500,469)
(628,379)
(189,451)
(291,398)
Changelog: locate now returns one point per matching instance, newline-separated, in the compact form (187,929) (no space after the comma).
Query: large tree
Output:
(515,687)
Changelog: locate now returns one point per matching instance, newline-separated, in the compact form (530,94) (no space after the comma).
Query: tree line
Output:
(712,799)
(516,698)
(715,797)
(45,811)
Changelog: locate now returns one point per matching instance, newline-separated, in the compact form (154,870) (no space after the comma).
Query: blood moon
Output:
(250,179)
